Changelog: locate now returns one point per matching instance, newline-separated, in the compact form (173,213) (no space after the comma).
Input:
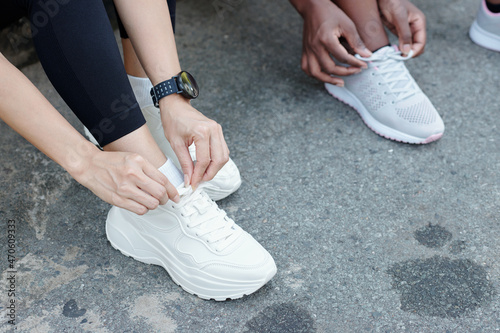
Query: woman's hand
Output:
(124,179)
(183,126)
(407,22)
(324,25)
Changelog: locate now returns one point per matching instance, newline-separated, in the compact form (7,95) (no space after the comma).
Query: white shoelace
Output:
(209,221)
(391,68)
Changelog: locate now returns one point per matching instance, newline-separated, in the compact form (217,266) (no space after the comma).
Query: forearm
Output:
(27,111)
(122,179)
(148,24)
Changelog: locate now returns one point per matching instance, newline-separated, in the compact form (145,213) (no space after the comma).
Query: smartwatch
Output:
(183,83)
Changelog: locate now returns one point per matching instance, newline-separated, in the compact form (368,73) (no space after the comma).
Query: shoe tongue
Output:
(402,83)
(196,200)
(214,222)
(184,192)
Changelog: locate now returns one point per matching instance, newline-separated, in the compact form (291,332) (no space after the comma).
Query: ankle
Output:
(493,6)
(375,50)
(376,44)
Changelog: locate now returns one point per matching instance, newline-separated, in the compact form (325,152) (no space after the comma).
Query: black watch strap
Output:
(164,89)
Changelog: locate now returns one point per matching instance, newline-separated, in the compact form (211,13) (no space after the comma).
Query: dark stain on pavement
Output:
(71,309)
(432,236)
(457,246)
(440,286)
(281,318)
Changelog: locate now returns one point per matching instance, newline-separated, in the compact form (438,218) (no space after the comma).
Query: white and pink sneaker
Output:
(485,30)
(389,100)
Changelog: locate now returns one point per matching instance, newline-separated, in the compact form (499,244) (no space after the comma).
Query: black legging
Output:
(77,49)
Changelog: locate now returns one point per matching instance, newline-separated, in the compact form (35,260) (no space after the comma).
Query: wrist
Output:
(79,157)
(182,84)
(164,74)
(170,106)
(172,102)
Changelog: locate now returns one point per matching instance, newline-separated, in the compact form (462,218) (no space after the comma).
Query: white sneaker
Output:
(201,248)
(485,30)
(225,182)
(389,100)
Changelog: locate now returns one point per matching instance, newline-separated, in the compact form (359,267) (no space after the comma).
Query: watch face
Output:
(188,85)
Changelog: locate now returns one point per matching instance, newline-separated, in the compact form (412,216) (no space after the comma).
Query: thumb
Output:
(403,31)
(186,163)
(356,43)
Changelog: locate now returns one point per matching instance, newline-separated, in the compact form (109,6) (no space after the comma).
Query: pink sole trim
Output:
(434,137)
(430,139)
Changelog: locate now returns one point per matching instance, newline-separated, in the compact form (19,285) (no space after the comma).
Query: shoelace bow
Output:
(390,66)
(210,222)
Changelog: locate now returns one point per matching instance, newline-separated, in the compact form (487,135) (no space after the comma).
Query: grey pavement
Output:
(368,235)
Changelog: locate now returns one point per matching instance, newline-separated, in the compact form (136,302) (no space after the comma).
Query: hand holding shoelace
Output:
(324,25)
(184,125)
(125,180)
(407,22)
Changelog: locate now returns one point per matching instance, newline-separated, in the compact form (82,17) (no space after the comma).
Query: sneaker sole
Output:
(205,286)
(345,96)
(484,38)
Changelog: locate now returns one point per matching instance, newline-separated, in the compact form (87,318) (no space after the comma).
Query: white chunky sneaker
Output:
(485,30)
(225,182)
(201,248)
(389,100)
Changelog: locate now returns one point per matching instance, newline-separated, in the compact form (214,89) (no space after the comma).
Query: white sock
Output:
(173,174)
(141,87)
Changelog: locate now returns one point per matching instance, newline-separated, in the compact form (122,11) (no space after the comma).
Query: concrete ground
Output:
(368,235)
